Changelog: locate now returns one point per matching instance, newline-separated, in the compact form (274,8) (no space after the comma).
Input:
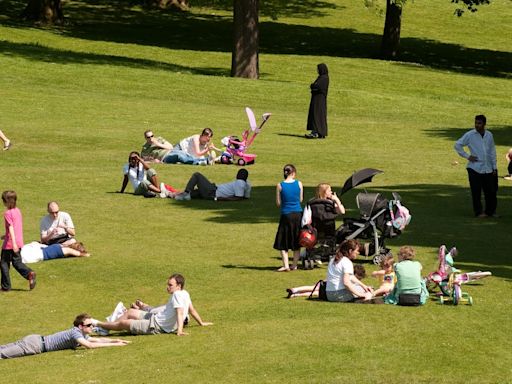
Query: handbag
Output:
(59,239)
(322,294)
(409,299)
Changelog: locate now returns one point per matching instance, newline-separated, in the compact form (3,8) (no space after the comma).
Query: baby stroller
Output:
(235,151)
(379,219)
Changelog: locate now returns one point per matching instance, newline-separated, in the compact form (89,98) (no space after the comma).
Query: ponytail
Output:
(288,170)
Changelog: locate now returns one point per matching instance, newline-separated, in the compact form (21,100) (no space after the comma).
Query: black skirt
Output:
(287,236)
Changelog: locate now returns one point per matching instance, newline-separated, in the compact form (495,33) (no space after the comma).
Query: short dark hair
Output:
(242,174)
(79,320)
(207,132)
(180,280)
(481,118)
(9,198)
(359,271)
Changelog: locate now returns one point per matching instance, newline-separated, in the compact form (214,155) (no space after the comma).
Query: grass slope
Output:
(76,100)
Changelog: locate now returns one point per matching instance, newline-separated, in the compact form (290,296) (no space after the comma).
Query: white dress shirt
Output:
(482,148)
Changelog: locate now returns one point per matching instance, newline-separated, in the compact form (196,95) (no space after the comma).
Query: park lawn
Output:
(76,100)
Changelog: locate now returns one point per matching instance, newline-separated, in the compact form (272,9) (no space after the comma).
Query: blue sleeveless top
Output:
(290,197)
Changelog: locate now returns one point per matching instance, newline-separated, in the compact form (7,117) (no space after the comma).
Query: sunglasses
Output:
(149,137)
(87,325)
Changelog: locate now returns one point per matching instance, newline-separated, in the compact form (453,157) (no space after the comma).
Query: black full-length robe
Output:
(317,116)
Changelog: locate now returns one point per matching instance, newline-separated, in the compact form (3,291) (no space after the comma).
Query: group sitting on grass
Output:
(193,150)
(401,283)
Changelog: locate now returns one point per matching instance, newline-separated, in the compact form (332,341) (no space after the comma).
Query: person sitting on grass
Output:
(69,339)
(34,252)
(199,187)
(342,284)
(410,288)
(57,226)
(194,150)
(386,276)
(155,148)
(143,178)
(169,318)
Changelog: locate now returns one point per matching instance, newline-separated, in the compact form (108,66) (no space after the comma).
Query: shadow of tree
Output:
(118,21)
(441,214)
(54,55)
(502,133)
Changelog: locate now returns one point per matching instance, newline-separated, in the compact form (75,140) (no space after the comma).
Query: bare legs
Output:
(286,266)
(7,142)
(123,322)
(305,290)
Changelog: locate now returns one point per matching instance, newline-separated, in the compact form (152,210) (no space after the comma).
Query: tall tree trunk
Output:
(391,37)
(244,59)
(44,11)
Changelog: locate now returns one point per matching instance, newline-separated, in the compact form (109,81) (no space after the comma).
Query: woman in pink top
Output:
(13,242)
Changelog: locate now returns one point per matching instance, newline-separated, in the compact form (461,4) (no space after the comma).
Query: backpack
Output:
(402,217)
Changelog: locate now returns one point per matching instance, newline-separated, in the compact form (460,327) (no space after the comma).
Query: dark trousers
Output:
(8,257)
(200,187)
(487,182)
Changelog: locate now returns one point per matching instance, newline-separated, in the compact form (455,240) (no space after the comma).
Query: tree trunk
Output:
(44,11)
(391,37)
(244,59)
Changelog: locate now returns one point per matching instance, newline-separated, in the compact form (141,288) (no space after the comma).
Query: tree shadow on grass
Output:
(441,214)
(118,22)
(502,133)
(53,55)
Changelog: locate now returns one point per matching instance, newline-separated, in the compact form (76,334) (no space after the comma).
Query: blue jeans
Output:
(179,156)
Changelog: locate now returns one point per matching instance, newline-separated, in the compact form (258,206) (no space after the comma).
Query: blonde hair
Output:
(406,253)
(321,190)
(387,262)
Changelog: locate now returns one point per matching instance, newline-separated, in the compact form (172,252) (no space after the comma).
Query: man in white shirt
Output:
(57,227)
(201,188)
(169,318)
(481,167)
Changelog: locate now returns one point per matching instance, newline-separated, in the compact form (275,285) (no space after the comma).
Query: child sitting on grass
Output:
(386,276)
(410,288)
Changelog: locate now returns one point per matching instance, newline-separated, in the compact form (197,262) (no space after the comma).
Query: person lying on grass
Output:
(34,252)
(199,187)
(145,320)
(69,339)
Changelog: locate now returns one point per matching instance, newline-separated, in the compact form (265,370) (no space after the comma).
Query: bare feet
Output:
(283,269)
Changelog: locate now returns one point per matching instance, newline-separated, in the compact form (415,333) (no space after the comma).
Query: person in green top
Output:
(408,278)
(155,148)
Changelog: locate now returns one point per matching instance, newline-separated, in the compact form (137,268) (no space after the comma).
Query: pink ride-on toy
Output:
(236,149)
(449,279)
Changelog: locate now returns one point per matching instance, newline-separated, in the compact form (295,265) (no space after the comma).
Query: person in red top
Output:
(13,242)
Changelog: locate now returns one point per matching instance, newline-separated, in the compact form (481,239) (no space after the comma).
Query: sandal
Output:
(293,268)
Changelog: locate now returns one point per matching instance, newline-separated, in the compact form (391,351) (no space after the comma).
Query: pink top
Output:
(13,217)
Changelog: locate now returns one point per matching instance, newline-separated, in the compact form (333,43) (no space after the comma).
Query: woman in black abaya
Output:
(317,116)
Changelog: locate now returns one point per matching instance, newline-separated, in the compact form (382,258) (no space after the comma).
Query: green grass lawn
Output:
(75,101)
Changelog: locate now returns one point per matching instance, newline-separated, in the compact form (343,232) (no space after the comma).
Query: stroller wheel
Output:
(241,162)
(377,259)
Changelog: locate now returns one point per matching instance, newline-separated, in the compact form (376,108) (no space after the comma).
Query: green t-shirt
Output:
(151,151)
(408,274)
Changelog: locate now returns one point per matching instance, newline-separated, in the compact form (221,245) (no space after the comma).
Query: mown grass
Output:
(76,100)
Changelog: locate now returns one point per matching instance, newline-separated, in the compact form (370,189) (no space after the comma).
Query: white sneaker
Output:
(182,196)
(118,312)
(163,191)
(100,331)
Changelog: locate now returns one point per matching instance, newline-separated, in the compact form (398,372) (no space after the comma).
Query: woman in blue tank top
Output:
(289,195)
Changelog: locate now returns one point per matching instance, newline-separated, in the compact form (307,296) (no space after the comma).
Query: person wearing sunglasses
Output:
(72,338)
(155,148)
(57,226)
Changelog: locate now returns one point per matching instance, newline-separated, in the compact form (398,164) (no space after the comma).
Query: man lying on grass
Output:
(145,320)
(69,339)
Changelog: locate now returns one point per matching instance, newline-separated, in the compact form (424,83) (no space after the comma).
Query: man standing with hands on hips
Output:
(482,170)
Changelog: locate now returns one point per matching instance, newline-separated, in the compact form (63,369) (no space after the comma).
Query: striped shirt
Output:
(64,340)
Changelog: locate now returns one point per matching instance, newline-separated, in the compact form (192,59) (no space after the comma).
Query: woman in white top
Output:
(342,285)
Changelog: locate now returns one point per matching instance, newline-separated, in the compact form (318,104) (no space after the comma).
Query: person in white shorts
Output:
(169,318)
